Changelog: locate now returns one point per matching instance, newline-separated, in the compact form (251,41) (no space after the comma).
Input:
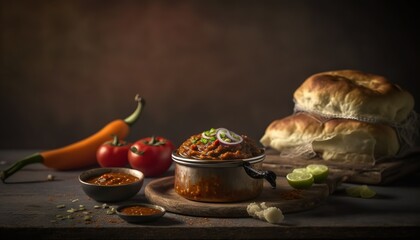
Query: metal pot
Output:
(220,180)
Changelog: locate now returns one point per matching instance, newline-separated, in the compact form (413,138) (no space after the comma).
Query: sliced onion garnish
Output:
(228,137)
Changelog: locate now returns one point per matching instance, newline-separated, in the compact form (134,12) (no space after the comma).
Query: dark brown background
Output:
(70,67)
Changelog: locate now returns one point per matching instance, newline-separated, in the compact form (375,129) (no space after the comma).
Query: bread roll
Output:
(354,95)
(342,140)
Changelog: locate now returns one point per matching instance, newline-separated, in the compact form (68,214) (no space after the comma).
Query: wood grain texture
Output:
(382,173)
(29,207)
(161,192)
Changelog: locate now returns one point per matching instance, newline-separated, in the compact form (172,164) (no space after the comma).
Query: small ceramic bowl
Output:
(140,212)
(111,193)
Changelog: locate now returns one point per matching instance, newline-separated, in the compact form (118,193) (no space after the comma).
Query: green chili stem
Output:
(34,158)
(130,120)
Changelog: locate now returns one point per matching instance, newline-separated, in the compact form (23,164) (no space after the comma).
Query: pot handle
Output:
(270,176)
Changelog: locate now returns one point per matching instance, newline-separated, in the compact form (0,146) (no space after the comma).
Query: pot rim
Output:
(215,163)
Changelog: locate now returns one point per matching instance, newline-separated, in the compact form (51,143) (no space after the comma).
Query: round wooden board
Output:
(161,192)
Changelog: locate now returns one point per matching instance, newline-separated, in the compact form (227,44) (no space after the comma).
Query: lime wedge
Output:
(362,191)
(353,191)
(366,192)
(300,180)
(319,171)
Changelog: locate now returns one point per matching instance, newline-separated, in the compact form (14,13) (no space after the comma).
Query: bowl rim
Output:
(103,170)
(155,206)
(215,162)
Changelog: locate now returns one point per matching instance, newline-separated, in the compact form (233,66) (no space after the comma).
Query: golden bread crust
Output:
(340,137)
(354,94)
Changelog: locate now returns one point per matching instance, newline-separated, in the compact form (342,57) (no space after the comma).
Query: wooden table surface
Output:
(28,208)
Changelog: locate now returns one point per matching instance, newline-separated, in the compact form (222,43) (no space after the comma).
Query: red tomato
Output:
(151,155)
(113,153)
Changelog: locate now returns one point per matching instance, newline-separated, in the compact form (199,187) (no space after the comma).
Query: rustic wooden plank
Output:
(382,173)
(28,207)
(161,192)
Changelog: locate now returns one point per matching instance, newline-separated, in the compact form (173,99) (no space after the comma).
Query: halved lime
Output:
(300,180)
(300,170)
(319,171)
(366,192)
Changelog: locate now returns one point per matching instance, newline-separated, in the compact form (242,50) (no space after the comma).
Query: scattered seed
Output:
(85,214)
(71,210)
(50,177)
(110,211)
